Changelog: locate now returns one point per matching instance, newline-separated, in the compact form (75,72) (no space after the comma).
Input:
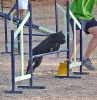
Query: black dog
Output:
(51,43)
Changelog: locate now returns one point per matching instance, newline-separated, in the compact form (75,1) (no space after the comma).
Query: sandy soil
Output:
(55,88)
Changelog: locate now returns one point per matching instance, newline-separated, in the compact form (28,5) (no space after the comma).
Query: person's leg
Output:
(91,47)
(72,45)
(88,27)
(21,11)
(92,44)
(77,36)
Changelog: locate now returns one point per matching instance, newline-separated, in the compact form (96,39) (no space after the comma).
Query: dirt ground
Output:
(55,88)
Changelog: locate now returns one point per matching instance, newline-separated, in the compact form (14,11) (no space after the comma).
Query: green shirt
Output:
(82,9)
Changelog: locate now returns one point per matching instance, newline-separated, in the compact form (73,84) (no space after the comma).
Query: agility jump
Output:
(64,68)
(30,76)
(13,36)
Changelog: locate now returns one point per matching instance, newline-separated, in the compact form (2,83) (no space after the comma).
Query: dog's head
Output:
(57,38)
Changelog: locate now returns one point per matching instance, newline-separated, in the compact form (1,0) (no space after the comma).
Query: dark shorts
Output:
(86,24)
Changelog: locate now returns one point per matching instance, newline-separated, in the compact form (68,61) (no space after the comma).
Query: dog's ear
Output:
(53,35)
